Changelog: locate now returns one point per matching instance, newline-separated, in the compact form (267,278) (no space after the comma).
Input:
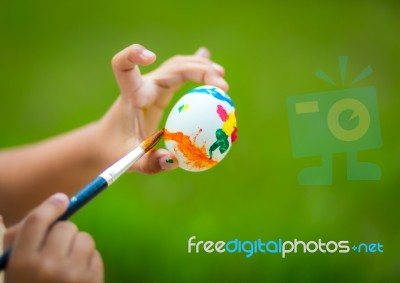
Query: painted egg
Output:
(201,128)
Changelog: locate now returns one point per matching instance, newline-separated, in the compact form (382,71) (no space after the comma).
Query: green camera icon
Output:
(339,121)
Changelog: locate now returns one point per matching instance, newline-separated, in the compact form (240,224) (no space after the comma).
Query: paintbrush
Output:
(103,181)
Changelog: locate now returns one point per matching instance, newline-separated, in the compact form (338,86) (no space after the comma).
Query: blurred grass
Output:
(55,76)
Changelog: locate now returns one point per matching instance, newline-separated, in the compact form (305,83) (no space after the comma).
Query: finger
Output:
(220,70)
(59,240)
(185,59)
(156,161)
(82,249)
(125,67)
(35,226)
(200,73)
(96,267)
(172,76)
(203,52)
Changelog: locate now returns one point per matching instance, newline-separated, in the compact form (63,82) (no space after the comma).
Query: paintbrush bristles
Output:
(151,141)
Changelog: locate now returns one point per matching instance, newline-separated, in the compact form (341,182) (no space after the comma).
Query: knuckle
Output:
(47,269)
(71,226)
(115,60)
(45,212)
(66,226)
(35,217)
(86,239)
(129,52)
(136,48)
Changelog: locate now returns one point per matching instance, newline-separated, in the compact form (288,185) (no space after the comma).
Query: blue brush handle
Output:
(84,196)
(75,203)
(4,258)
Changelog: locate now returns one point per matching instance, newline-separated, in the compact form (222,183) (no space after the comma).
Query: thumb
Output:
(125,67)
(156,161)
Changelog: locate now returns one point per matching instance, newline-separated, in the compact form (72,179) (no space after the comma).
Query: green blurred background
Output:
(56,76)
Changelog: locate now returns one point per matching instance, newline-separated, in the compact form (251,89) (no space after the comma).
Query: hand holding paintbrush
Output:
(104,180)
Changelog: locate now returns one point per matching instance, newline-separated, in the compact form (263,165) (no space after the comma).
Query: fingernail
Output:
(60,197)
(148,54)
(167,164)
(203,52)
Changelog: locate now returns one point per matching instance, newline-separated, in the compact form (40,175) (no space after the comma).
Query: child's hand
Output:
(43,252)
(68,162)
(139,109)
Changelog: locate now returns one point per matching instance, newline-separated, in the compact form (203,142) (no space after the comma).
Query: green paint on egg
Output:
(221,143)
(183,107)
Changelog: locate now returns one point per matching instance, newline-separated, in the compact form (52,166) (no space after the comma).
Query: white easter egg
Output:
(201,128)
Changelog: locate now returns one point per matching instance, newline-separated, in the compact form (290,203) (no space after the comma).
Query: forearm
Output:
(31,173)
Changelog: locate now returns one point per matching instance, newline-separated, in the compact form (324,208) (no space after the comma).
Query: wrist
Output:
(111,135)
(91,146)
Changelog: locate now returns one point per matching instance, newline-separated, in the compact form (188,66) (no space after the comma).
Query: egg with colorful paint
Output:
(201,128)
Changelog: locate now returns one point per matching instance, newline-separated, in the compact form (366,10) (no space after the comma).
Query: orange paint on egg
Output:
(196,156)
